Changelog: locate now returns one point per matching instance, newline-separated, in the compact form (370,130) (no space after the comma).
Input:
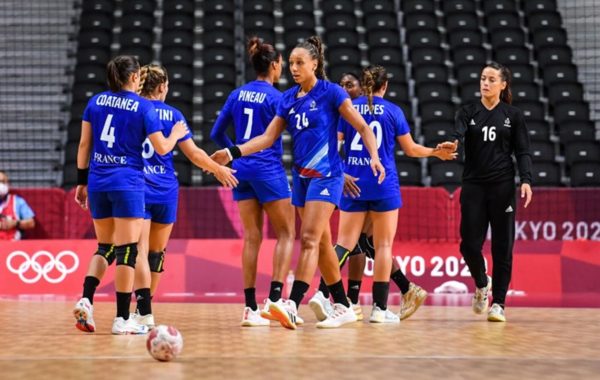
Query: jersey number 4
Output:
(108,132)
(356,141)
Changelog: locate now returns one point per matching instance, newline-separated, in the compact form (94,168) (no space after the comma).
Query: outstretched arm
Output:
(203,161)
(412,149)
(258,143)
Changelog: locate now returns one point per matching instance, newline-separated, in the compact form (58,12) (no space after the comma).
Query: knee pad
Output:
(126,254)
(366,245)
(342,254)
(156,260)
(107,251)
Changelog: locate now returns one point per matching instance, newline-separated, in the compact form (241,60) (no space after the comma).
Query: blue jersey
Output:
(161,182)
(387,122)
(312,121)
(251,108)
(120,123)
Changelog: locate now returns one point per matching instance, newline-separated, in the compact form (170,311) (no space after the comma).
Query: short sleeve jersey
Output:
(250,109)
(120,122)
(161,182)
(312,121)
(387,122)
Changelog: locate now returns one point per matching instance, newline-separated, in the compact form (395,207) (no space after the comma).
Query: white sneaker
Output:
(84,314)
(130,326)
(480,298)
(146,320)
(266,313)
(412,300)
(340,316)
(253,318)
(496,314)
(357,310)
(383,316)
(285,313)
(320,305)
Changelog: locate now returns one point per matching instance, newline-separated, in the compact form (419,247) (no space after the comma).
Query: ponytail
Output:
(314,46)
(151,76)
(373,78)
(119,70)
(261,55)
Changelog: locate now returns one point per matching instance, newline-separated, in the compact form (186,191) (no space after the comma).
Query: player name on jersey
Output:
(251,96)
(363,109)
(165,115)
(117,102)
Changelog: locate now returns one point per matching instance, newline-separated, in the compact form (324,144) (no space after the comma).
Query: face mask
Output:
(3,189)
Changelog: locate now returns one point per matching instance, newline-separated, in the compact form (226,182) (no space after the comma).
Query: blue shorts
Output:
(263,190)
(116,204)
(164,213)
(326,189)
(379,205)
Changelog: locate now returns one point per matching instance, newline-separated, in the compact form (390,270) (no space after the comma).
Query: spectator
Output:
(15,213)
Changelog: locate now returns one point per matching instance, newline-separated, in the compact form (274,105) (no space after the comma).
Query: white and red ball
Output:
(164,343)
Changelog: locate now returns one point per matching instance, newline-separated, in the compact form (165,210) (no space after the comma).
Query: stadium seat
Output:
(578,130)
(538,130)
(524,91)
(582,151)
(469,91)
(541,20)
(446,173)
(565,92)
(409,173)
(337,6)
(460,6)
(212,39)
(434,92)
(138,21)
(179,55)
(522,73)
(183,171)
(381,21)
(513,55)
(372,7)
(218,6)
(396,73)
(532,110)
(341,21)
(298,21)
(499,21)
(383,38)
(467,74)
(98,6)
(559,74)
(96,21)
(94,38)
(556,55)
(99,55)
(430,73)
(139,6)
(181,21)
(179,6)
(218,73)
(542,151)
(465,38)
(548,37)
(508,38)
(469,56)
(91,73)
(223,22)
(420,56)
(532,6)
(143,53)
(386,56)
(417,6)
(490,7)
(424,38)
(437,132)
(341,38)
(417,21)
(585,174)
(298,6)
(546,174)
(442,111)
(258,6)
(461,21)
(343,56)
(571,111)
(219,55)
(180,73)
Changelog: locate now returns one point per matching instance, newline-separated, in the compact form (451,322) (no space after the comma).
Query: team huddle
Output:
(128,134)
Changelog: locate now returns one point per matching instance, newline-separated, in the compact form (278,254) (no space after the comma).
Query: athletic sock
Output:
(299,288)
(275,292)
(380,294)
(400,279)
(323,288)
(123,302)
(338,294)
(250,295)
(353,290)
(143,298)
(89,287)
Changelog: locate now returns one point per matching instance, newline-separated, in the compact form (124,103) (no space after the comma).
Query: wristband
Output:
(82,176)
(234,152)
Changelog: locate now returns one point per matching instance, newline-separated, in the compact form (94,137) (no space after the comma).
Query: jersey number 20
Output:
(356,141)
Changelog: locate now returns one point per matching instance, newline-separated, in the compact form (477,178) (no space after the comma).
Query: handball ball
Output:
(164,343)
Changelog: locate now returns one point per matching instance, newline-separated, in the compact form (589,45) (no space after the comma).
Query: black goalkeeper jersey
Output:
(489,138)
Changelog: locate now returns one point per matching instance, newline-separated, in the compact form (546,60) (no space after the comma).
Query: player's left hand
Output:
(220,157)
(526,193)
(81,196)
(350,187)
(377,167)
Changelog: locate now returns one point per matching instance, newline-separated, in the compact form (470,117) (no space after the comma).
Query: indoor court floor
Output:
(40,341)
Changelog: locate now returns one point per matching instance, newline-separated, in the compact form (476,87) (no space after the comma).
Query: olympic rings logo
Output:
(32,263)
